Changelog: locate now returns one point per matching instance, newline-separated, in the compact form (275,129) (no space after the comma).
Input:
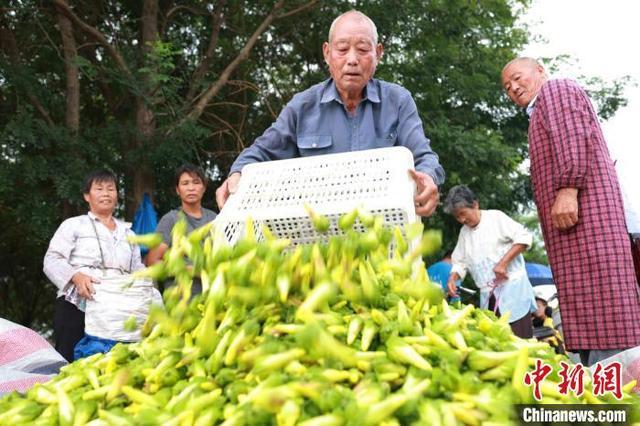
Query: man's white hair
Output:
(363,17)
(533,62)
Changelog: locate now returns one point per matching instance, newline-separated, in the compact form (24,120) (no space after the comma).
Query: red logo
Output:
(541,371)
(608,379)
(572,379)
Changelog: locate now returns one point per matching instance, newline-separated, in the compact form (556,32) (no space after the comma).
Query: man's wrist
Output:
(573,192)
(432,176)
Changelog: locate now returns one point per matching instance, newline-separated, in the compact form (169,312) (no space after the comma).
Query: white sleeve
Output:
(513,231)
(56,261)
(136,261)
(459,258)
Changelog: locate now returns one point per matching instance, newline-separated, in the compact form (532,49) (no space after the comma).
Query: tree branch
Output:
(214,88)
(172,10)
(297,10)
(201,70)
(35,102)
(191,9)
(233,104)
(94,33)
(54,45)
(228,126)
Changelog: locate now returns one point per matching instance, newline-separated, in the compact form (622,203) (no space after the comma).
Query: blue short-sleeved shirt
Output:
(316,122)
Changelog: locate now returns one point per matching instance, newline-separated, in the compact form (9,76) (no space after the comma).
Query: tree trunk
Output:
(72,114)
(143,180)
(72,93)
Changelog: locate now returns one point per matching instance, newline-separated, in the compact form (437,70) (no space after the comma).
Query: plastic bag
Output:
(90,345)
(629,366)
(116,299)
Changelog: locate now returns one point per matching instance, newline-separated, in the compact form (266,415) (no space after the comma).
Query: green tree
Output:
(536,253)
(138,86)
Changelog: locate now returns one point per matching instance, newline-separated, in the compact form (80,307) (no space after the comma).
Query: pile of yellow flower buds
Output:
(335,333)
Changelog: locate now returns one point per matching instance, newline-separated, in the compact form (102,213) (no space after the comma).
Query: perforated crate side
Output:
(300,229)
(275,192)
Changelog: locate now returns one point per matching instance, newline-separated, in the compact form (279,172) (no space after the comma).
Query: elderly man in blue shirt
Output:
(350,111)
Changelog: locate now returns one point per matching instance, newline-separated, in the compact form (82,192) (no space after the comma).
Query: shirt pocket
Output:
(314,145)
(389,139)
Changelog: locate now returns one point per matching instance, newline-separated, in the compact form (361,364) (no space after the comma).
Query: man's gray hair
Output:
(363,17)
(460,196)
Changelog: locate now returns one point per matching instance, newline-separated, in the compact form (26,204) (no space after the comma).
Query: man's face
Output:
(352,55)
(522,81)
(190,189)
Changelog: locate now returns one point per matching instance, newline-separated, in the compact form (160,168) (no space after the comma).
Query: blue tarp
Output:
(539,274)
(145,220)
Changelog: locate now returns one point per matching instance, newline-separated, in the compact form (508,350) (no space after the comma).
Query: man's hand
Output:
(227,188)
(84,284)
(564,212)
(427,199)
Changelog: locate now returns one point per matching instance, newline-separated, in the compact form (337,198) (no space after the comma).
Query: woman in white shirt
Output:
(84,250)
(490,247)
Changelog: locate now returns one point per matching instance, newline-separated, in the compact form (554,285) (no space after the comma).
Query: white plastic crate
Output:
(274,193)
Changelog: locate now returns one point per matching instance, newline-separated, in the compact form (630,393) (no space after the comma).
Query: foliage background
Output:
(142,86)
